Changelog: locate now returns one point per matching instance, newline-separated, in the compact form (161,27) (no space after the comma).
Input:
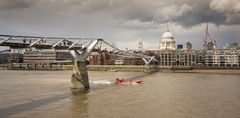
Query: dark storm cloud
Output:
(185,12)
(200,16)
(15,4)
(230,8)
(120,20)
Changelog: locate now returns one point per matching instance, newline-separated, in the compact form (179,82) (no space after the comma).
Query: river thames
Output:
(41,94)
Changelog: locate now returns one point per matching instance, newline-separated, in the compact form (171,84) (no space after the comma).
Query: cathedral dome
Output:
(167,35)
(167,41)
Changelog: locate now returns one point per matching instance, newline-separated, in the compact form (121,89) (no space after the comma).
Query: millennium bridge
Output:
(79,48)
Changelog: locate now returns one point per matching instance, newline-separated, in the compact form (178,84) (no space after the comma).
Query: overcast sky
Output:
(124,21)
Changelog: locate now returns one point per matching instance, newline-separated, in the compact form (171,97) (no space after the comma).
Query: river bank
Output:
(131,68)
(210,71)
(164,69)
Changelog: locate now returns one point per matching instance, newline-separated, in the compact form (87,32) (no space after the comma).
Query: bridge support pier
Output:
(80,70)
(147,68)
(80,75)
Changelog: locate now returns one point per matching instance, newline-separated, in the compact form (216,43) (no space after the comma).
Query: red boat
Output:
(128,82)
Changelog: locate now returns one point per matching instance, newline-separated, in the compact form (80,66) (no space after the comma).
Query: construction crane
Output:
(208,42)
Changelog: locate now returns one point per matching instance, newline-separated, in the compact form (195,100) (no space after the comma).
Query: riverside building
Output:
(181,58)
(169,56)
(223,58)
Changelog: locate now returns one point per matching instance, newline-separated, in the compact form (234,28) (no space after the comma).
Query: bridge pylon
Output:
(80,70)
(79,77)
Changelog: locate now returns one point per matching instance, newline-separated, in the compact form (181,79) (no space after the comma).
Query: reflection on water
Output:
(79,103)
(25,94)
(8,111)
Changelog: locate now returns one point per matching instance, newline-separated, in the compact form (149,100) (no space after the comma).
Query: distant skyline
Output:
(124,21)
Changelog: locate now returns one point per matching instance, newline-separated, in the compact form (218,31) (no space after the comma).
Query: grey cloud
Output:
(230,8)
(187,13)
(226,6)
(136,25)
(233,18)
(199,16)
(16,4)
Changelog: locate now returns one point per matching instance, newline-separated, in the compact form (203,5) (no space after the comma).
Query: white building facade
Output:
(223,58)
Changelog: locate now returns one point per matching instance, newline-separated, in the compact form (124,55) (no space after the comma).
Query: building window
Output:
(163,45)
(168,43)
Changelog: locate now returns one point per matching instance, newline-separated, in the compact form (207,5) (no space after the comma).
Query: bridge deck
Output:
(44,42)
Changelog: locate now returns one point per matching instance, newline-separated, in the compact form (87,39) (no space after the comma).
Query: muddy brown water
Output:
(40,94)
